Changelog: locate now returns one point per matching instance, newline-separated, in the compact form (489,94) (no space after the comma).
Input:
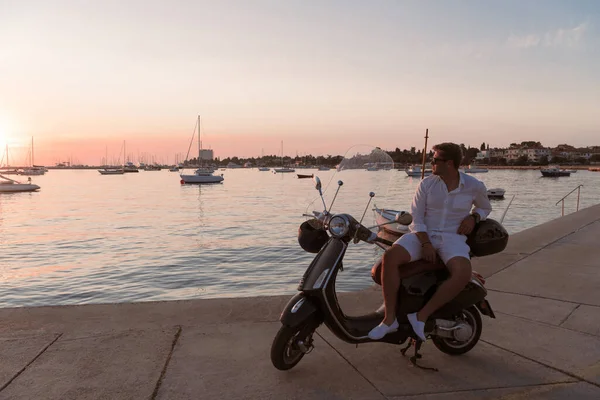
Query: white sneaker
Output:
(418,326)
(382,329)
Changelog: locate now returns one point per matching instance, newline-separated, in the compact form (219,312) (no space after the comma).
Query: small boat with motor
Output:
(554,171)
(304,176)
(385,216)
(8,185)
(471,169)
(415,171)
(496,193)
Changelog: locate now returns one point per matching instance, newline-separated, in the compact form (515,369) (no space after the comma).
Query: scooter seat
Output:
(407,270)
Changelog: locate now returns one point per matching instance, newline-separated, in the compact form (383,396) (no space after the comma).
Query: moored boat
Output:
(304,176)
(203,174)
(384,216)
(8,185)
(112,171)
(415,171)
(553,171)
(496,193)
(471,169)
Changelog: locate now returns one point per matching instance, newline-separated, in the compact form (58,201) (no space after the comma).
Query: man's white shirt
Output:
(434,209)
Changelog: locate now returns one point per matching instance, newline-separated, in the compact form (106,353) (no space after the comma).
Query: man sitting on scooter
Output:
(443,215)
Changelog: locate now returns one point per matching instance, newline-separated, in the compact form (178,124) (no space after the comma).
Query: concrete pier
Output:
(544,344)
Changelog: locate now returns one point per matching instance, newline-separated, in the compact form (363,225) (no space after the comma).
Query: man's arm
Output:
(417,210)
(483,207)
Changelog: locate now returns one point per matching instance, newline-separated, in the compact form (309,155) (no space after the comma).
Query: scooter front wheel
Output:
(290,345)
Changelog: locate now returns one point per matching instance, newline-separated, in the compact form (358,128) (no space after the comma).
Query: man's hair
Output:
(450,151)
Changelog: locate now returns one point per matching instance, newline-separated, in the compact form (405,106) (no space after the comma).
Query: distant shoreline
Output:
(501,167)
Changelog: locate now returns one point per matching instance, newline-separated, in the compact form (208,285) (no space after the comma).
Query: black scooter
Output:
(454,329)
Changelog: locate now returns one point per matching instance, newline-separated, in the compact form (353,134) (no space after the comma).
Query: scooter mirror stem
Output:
(371,195)
(340,183)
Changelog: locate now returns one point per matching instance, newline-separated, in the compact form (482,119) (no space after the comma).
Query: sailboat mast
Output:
(199,144)
(32,152)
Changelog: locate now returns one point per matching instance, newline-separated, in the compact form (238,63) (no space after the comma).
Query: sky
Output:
(81,77)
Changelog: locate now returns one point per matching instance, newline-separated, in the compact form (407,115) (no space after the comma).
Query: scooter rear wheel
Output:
(286,349)
(472,317)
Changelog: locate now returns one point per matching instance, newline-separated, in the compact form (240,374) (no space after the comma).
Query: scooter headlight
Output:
(338,226)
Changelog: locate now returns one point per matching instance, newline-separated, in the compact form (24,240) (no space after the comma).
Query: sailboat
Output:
(33,170)
(6,168)
(202,174)
(114,171)
(283,169)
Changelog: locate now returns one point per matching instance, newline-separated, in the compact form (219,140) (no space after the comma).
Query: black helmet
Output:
(488,237)
(311,237)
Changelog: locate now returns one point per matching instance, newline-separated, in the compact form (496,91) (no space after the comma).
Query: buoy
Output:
(182,181)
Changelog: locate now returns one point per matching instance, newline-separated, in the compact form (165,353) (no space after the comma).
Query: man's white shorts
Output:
(447,245)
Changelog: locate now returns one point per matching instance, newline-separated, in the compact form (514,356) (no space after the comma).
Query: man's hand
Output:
(466,226)
(429,253)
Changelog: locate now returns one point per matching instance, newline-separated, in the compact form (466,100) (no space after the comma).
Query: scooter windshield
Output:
(363,169)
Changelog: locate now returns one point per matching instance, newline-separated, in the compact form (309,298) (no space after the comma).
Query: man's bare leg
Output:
(460,275)
(392,259)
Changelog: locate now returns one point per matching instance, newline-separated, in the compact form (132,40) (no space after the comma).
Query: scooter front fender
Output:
(298,310)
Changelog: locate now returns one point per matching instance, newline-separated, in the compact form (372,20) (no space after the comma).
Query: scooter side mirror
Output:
(317,183)
(403,218)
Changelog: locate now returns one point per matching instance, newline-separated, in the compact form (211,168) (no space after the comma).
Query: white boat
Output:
(496,193)
(32,172)
(8,185)
(202,174)
(283,169)
(114,170)
(384,215)
(34,169)
(111,171)
(130,167)
(473,170)
(415,170)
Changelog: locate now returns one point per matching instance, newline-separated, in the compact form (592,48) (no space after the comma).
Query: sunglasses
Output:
(435,160)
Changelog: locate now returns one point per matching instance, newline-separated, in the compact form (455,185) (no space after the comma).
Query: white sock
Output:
(418,326)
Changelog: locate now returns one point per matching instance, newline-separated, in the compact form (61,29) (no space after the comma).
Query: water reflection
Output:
(87,238)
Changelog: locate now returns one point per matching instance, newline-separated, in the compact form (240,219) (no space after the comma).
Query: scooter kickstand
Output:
(405,349)
(413,359)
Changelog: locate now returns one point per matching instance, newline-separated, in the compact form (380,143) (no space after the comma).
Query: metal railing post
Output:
(578,188)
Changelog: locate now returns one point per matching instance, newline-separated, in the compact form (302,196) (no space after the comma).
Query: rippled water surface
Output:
(88,238)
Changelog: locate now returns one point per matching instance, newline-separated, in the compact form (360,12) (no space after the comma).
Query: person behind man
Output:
(443,214)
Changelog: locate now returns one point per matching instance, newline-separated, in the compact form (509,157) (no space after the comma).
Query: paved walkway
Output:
(544,344)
